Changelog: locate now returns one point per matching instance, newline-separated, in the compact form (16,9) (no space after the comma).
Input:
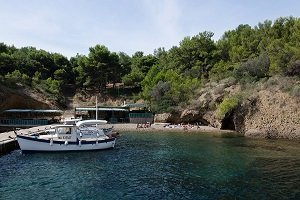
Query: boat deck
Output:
(8,139)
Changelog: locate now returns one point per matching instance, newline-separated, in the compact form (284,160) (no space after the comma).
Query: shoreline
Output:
(132,128)
(123,128)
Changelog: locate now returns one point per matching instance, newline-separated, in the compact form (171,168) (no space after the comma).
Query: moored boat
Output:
(82,136)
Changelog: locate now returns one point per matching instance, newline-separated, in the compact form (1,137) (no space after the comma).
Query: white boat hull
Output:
(31,144)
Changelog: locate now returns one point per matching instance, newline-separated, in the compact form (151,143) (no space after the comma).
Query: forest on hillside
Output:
(166,78)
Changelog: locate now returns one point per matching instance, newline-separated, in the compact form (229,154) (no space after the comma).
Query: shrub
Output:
(227,106)
(293,69)
(229,81)
(159,90)
(271,82)
(220,71)
(17,77)
(296,91)
(164,105)
(286,84)
(52,86)
(256,68)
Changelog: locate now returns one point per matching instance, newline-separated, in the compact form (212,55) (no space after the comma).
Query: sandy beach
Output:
(123,128)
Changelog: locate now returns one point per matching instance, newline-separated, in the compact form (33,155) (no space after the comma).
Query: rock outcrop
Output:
(23,98)
(275,114)
(263,112)
(162,118)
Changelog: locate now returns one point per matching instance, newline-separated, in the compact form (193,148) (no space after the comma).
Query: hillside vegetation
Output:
(171,80)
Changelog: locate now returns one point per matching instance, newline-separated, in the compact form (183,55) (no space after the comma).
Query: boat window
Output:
(64,130)
(69,131)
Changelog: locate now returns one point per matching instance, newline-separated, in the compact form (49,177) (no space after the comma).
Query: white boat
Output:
(96,123)
(82,136)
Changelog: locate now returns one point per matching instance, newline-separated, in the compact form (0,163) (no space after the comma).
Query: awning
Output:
(32,111)
(101,109)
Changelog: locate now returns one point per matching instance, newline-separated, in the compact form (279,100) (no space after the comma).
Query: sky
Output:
(69,27)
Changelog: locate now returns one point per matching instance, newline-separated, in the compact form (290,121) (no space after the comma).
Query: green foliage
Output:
(125,63)
(17,77)
(271,82)
(227,105)
(36,79)
(249,54)
(134,77)
(97,69)
(7,63)
(80,63)
(61,75)
(293,69)
(167,78)
(220,71)
(52,85)
(194,57)
(140,65)
(256,68)
(167,89)
(159,90)
(240,44)
(153,76)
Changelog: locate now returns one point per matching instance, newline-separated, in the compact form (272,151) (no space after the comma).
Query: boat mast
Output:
(96,108)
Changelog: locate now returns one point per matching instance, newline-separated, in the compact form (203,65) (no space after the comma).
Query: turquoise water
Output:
(158,166)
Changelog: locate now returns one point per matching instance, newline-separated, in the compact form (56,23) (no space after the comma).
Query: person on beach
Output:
(185,128)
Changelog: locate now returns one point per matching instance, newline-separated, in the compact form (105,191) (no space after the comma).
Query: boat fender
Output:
(80,134)
(66,142)
(79,143)
(51,142)
(97,141)
(97,134)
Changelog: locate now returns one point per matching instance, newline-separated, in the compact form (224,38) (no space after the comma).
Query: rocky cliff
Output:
(275,114)
(264,110)
(23,98)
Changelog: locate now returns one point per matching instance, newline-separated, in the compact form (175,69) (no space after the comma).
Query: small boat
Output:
(81,136)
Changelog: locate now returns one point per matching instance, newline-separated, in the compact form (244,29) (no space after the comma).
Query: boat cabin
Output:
(62,132)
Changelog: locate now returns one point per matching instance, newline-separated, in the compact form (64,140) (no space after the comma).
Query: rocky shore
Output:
(268,110)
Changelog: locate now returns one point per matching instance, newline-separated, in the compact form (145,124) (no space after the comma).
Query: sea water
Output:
(158,166)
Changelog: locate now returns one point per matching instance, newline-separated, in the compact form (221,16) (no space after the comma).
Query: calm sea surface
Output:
(158,166)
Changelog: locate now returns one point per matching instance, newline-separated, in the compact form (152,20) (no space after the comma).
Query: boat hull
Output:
(32,144)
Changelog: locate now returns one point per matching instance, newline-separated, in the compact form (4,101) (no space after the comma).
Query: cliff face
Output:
(264,112)
(274,114)
(24,99)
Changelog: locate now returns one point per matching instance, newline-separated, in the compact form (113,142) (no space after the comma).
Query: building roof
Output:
(32,111)
(101,109)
